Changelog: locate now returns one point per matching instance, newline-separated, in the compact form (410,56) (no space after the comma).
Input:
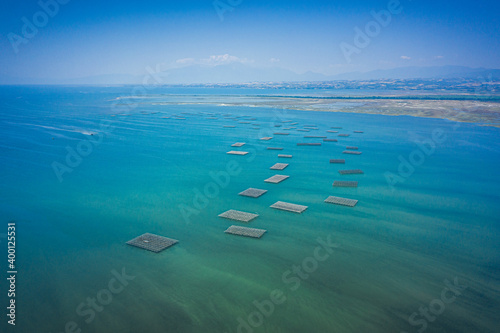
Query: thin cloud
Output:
(405,57)
(214,60)
(185,61)
(224,59)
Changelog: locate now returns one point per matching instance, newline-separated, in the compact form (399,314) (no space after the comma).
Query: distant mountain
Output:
(229,73)
(105,79)
(90,80)
(434,72)
(242,73)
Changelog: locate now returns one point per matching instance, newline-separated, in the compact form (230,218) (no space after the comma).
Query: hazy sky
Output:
(89,37)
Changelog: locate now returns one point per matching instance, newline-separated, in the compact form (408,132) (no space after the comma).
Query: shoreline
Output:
(482,113)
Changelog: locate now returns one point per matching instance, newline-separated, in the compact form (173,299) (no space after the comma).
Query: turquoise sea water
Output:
(141,169)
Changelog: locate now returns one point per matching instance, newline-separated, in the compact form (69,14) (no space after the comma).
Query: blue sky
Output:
(86,38)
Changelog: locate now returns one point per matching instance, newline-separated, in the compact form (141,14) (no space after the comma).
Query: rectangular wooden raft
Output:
(341,201)
(153,243)
(238,215)
(290,207)
(244,231)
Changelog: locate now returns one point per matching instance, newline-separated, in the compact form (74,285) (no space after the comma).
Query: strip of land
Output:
(482,111)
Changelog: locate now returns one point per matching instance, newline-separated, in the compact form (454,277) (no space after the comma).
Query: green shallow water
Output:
(393,250)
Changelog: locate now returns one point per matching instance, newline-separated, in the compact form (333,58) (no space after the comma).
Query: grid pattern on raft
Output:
(151,242)
(330,140)
(238,144)
(235,152)
(284,156)
(238,215)
(266,138)
(352,152)
(344,135)
(252,192)
(347,183)
(244,231)
(351,148)
(276,179)
(279,166)
(337,161)
(351,172)
(341,201)
(274,148)
(290,207)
